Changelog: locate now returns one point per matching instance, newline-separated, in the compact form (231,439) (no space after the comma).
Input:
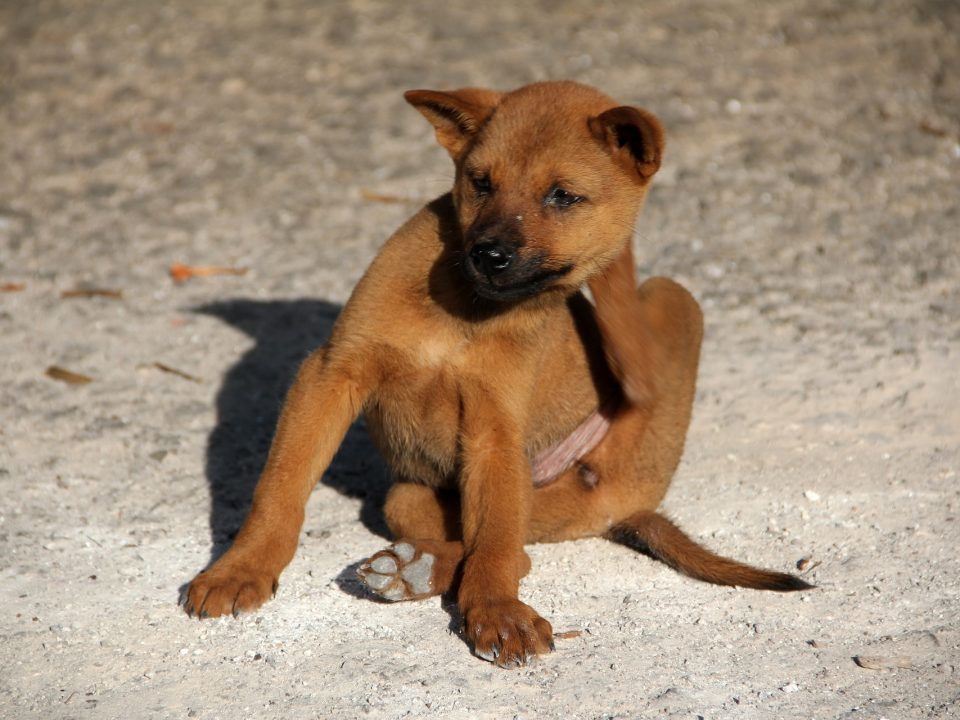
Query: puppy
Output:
(509,408)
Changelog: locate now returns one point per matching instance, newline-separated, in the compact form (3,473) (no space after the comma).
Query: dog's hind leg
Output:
(651,337)
(659,363)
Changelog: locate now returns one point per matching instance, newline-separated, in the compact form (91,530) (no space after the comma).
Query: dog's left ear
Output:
(456,116)
(633,136)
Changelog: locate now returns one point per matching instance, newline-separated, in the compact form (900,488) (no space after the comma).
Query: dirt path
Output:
(810,199)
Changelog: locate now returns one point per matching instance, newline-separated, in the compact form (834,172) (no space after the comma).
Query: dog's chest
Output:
(414,415)
(438,355)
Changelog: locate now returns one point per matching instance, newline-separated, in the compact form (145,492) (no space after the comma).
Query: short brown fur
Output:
(469,347)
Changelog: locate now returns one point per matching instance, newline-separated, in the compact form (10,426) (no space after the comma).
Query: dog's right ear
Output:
(456,115)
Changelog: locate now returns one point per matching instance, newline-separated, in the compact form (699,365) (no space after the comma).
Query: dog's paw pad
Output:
(385,565)
(399,572)
(404,551)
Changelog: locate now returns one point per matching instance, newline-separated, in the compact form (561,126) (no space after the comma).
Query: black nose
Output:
(491,258)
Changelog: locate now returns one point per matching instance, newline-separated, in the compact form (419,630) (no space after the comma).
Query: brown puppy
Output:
(510,410)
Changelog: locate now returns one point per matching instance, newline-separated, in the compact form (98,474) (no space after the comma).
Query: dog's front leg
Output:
(325,398)
(496,493)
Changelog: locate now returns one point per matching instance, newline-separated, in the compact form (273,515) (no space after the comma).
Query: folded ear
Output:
(456,115)
(633,136)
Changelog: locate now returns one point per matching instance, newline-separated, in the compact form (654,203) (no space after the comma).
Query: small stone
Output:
(233,86)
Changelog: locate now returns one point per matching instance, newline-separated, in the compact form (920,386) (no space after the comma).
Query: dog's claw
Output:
(488,656)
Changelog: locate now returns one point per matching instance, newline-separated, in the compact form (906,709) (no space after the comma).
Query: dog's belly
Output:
(415,424)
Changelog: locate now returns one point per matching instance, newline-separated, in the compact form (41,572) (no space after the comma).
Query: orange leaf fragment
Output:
(384,197)
(181,273)
(12,287)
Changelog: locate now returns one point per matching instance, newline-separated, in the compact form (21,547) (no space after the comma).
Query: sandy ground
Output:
(810,199)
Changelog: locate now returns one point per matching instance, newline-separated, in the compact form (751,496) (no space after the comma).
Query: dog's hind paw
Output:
(400,572)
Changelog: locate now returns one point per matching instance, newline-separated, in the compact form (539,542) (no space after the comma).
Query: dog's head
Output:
(549,181)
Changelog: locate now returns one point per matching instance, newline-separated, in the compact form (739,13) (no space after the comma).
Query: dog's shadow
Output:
(248,405)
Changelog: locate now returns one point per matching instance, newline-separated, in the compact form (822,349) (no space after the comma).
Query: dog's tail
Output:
(654,535)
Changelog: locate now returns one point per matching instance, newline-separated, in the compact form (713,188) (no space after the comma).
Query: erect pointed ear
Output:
(633,136)
(456,115)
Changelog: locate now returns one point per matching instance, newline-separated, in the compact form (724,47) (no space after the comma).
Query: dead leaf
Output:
(384,198)
(93,292)
(881,662)
(157,127)
(12,287)
(68,376)
(930,129)
(181,273)
(174,371)
(568,634)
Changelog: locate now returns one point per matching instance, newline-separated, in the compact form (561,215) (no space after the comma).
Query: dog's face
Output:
(549,181)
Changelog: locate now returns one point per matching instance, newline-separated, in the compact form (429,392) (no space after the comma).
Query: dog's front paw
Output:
(507,632)
(227,588)
(400,572)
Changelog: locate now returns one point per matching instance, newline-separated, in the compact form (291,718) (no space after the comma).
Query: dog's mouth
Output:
(525,280)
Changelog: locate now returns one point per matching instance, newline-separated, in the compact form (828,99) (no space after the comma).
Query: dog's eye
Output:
(560,198)
(482,184)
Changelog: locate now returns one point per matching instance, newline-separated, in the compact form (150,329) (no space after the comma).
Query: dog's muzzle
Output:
(491,258)
(500,271)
